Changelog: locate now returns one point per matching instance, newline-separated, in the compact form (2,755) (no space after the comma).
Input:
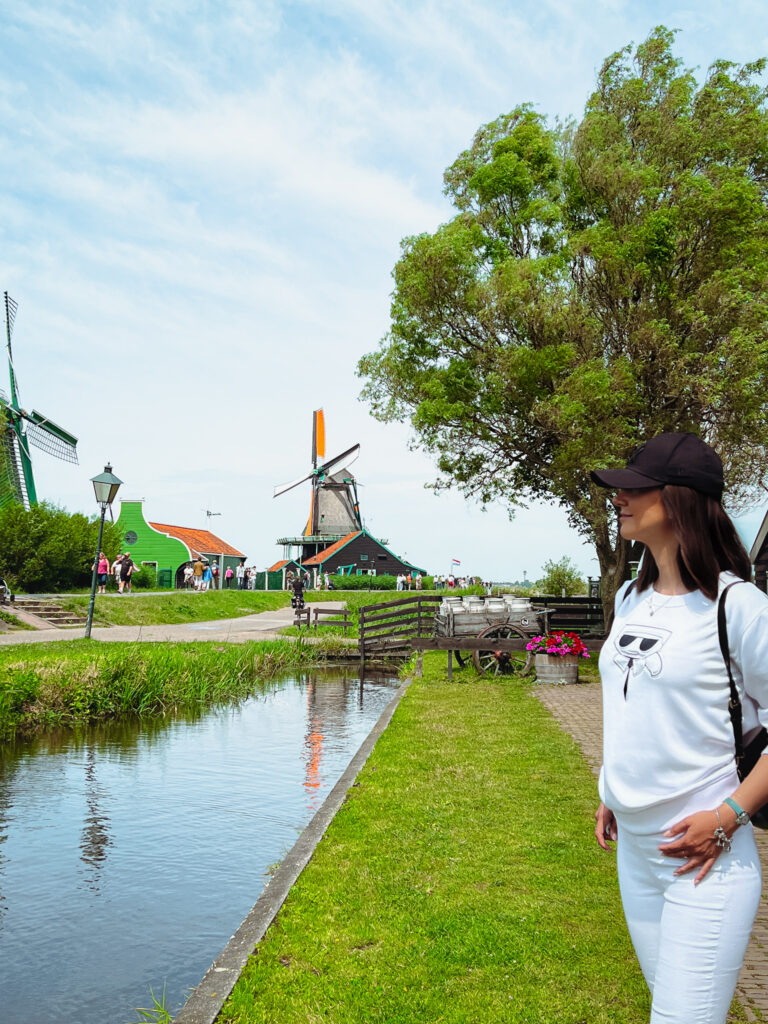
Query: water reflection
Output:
(95,836)
(130,851)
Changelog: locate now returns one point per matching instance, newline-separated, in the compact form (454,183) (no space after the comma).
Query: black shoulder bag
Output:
(746,758)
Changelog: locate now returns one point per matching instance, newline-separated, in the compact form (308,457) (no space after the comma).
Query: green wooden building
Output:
(170,548)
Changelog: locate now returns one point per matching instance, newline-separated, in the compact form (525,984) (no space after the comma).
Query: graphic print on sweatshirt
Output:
(638,648)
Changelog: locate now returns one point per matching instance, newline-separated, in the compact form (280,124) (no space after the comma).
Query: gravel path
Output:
(260,626)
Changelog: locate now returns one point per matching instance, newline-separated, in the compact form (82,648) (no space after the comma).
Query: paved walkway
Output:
(578,709)
(260,626)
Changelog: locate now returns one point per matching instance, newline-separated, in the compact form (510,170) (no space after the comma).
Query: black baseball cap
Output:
(682,459)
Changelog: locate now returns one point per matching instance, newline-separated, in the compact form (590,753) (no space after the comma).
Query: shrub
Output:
(373,582)
(46,549)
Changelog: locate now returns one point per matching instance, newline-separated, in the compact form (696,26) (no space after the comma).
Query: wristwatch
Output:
(742,818)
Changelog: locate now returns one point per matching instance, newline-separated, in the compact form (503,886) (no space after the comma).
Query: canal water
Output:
(130,852)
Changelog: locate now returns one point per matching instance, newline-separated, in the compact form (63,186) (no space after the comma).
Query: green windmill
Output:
(22,429)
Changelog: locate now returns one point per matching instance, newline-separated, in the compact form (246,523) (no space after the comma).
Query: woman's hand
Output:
(695,841)
(606,829)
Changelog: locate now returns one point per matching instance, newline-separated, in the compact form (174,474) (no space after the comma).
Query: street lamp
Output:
(105,485)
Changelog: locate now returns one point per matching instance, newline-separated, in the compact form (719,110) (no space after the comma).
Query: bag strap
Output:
(734,702)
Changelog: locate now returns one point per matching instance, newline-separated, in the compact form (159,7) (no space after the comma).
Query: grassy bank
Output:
(77,681)
(176,606)
(459,884)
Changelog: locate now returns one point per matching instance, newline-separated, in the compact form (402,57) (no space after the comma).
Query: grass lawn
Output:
(459,883)
(176,606)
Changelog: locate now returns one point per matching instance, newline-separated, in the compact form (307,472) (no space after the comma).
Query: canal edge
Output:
(207,999)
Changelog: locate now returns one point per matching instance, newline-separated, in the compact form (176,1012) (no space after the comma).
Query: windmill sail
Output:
(51,438)
(22,429)
(13,487)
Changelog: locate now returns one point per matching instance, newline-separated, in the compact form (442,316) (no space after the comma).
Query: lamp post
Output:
(105,486)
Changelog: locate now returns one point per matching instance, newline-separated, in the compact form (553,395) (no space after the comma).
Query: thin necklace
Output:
(651,610)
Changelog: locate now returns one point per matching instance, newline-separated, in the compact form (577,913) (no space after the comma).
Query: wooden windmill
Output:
(334,509)
(23,429)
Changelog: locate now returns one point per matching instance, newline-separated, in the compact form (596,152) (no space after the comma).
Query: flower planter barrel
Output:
(556,668)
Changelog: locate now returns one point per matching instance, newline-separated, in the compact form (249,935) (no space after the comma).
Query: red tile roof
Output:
(277,565)
(199,542)
(325,554)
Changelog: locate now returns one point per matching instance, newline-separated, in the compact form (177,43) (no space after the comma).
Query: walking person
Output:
(197,573)
(228,574)
(101,565)
(216,575)
(240,574)
(116,573)
(671,798)
(126,571)
(207,576)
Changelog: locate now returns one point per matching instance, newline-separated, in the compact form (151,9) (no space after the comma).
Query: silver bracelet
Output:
(721,839)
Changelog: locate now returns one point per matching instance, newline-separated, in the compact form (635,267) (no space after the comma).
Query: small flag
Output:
(455,561)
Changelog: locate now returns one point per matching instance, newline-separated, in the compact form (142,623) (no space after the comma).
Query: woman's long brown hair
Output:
(708,542)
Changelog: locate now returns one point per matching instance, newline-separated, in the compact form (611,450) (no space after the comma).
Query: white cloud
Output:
(202,205)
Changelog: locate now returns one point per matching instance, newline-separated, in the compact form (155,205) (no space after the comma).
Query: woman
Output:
(102,571)
(689,872)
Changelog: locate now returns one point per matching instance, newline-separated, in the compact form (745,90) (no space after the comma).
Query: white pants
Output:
(690,940)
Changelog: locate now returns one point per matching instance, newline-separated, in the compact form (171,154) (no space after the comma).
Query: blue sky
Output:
(201,207)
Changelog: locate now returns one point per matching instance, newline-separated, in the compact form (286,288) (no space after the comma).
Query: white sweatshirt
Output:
(671,735)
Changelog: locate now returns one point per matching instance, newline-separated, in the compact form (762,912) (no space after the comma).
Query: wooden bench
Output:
(313,612)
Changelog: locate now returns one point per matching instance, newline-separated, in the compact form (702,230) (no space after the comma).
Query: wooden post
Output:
(450,665)
(420,665)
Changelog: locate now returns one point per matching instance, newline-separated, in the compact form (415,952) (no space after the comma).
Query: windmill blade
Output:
(289,487)
(47,424)
(49,437)
(12,483)
(11,308)
(349,456)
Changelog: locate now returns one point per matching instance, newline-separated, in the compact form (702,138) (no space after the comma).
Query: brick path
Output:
(578,710)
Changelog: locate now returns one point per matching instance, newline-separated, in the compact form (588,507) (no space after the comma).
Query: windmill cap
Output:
(681,459)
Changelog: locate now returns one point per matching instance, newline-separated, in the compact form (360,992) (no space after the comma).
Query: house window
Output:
(363,558)
(382,558)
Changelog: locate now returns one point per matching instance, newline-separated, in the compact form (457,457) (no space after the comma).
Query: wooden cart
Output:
(491,619)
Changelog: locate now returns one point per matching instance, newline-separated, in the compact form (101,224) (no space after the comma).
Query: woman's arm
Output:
(695,834)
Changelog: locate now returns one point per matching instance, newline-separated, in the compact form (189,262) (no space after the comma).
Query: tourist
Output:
(101,565)
(207,576)
(451,581)
(116,573)
(215,575)
(228,574)
(126,571)
(669,784)
(240,573)
(188,576)
(197,573)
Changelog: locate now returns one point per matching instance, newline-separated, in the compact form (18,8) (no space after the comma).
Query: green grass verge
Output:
(14,621)
(65,683)
(459,883)
(176,606)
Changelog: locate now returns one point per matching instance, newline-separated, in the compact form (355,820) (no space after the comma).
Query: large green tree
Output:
(600,282)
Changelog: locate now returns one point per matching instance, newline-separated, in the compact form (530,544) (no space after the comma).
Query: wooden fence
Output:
(387,629)
(580,614)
